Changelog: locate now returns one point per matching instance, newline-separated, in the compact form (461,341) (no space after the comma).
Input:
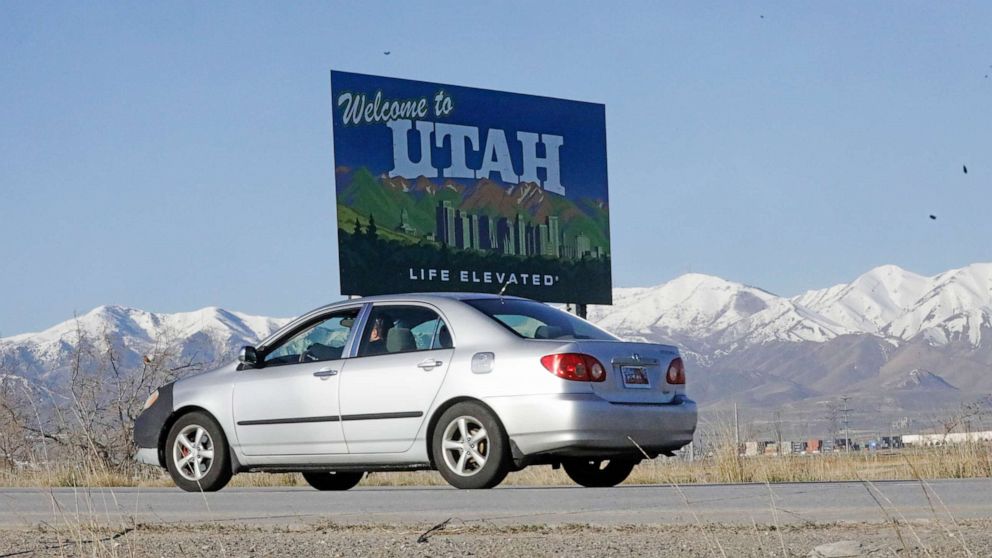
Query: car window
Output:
(534,320)
(324,340)
(403,329)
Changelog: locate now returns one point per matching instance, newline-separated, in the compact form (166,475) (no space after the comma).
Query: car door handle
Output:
(430,364)
(325,373)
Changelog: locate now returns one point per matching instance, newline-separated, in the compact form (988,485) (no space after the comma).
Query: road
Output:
(795,504)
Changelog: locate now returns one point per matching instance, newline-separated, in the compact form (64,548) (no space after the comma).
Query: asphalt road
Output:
(794,504)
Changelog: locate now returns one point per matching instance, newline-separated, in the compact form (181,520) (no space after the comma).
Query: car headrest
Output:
(547,332)
(444,337)
(400,339)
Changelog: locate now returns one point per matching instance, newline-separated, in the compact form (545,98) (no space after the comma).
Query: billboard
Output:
(449,188)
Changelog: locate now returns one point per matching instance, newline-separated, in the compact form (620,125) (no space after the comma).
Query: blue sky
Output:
(180,157)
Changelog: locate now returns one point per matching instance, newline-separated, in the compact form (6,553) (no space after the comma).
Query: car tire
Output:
(592,473)
(457,457)
(196,454)
(333,480)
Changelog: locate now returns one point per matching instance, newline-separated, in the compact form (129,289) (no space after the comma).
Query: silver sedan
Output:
(474,386)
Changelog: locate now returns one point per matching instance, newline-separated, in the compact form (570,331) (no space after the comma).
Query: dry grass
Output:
(953,461)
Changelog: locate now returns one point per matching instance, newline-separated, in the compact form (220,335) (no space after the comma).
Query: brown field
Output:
(953,461)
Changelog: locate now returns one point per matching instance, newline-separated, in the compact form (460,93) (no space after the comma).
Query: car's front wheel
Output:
(196,454)
(333,480)
(598,473)
(470,448)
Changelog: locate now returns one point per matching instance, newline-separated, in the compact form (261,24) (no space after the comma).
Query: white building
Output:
(942,439)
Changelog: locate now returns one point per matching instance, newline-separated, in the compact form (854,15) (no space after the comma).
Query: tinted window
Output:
(533,320)
(402,329)
(324,340)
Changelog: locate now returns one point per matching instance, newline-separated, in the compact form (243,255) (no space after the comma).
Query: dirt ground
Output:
(927,538)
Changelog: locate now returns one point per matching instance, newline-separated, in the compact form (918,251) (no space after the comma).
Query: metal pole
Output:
(847,424)
(580,310)
(737,427)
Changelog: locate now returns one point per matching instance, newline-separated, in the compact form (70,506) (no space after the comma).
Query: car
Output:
(472,385)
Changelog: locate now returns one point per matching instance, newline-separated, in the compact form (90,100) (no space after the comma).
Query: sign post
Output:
(448,188)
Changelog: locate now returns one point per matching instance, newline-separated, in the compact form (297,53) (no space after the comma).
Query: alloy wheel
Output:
(193,452)
(465,444)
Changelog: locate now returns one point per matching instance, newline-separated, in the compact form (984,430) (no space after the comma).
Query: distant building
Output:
(487,233)
(445,219)
(943,439)
(554,237)
(405,226)
(521,236)
(473,229)
(582,246)
(544,243)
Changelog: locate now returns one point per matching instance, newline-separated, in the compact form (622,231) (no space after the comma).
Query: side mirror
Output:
(248,356)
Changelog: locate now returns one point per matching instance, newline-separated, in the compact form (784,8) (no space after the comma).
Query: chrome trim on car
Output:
(332,418)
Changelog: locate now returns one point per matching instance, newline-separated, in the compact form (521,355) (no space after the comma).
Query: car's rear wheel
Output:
(196,454)
(470,448)
(333,480)
(598,473)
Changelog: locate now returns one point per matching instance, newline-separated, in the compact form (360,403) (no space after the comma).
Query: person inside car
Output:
(377,336)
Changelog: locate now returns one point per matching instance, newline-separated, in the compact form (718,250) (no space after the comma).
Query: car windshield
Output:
(534,320)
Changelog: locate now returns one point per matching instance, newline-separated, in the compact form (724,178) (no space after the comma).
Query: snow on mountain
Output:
(956,305)
(708,313)
(206,335)
(702,307)
(892,302)
(870,302)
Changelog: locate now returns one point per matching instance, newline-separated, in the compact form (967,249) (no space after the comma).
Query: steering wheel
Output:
(307,356)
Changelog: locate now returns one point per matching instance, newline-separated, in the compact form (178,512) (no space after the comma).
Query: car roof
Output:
(441,297)
(422,297)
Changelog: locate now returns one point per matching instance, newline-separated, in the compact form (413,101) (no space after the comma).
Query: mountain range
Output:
(900,342)
(897,343)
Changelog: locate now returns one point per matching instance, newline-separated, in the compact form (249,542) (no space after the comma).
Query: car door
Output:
(288,404)
(388,387)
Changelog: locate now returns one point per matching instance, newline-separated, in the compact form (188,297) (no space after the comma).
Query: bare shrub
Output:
(78,429)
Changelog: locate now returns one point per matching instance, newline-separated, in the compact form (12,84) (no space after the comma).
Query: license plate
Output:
(634,377)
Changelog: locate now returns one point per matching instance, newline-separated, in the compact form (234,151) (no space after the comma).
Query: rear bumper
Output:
(573,424)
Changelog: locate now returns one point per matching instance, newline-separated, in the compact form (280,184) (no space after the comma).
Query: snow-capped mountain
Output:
(870,302)
(208,335)
(710,314)
(891,302)
(887,302)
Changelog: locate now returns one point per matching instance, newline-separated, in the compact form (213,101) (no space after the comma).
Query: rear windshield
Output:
(533,320)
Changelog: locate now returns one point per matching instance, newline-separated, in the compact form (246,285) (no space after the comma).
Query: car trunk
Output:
(635,372)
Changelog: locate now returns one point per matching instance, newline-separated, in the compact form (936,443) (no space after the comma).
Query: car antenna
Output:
(503,290)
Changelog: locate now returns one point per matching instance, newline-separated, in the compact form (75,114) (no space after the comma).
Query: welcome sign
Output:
(449,188)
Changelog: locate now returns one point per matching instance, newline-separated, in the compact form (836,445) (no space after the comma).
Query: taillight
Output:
(575,366)
(676,372)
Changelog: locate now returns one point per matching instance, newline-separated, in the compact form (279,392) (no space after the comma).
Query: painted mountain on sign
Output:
(386,199)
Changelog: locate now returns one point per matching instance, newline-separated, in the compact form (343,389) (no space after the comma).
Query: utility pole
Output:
(737,428)
(847,426)
(580,310)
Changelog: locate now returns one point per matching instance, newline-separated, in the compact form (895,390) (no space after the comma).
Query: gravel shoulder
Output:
(916,538)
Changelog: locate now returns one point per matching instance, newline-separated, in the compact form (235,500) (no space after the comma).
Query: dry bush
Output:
(77,430)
